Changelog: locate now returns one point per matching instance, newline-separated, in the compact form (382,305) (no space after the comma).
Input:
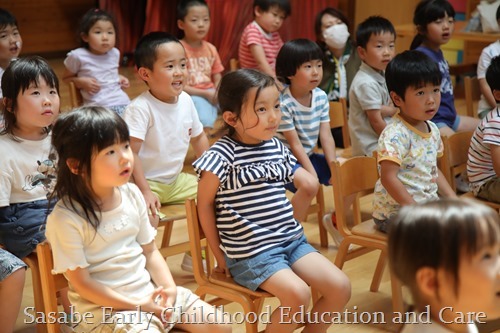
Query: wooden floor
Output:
(362,305)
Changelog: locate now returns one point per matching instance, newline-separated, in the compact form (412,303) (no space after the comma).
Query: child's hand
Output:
(152,203)
(89,84)
(160,303)
(124,82)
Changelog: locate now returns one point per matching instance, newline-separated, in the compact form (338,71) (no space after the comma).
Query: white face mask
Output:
(336,36)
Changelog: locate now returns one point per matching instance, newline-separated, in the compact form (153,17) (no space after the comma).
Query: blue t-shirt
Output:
(447,112)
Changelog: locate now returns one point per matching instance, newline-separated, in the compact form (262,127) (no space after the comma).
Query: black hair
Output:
(184,5)
(317,23)
(428,11)
(293,54)
(411,69)
(498,13)
(493,74)
(77,136)
(266,5)
(18,77)
(233,90)
(6,19)
(89,19)
(145,51)
(373,25)
(437,234)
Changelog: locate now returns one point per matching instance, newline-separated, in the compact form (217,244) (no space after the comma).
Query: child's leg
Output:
(204,318)
(307,186)
(11,296)
(294,295)
(467,124)
(333,285)
(184,187)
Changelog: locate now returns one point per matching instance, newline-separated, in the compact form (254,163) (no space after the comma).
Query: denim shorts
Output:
(9,263)
(453,127)
(22,226)
(252,272)
(320,166)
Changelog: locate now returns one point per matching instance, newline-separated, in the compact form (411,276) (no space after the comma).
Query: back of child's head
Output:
(145,53)
(411,69)
(184,5)
(439,235)
(428,11)
(266,5)
(89,19)
(234,87)
(18,77)
(293,54)
(373,25)
(317,22)
(493,74)
(77,136)
(497,15)
(7,19)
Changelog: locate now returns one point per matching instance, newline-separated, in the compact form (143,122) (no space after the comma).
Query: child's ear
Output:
(84,37)
(73,164)
(230,118)
(180,24)
(144,73)
(7,102)
(396,99)
(257,11)
(361,52)
(426,281)
(496,95)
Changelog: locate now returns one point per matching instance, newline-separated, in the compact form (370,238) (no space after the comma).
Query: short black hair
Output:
(6,19)
(145,51)
(411,69)
(498,13)
(293,54)
(265,5)
(493,74)
(184,5)
(374,25)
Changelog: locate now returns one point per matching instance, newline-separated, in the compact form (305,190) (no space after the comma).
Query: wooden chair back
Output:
(51,284)
(214,283)
(353,178)
(455,155)
(338,118)
(75,96)
(234,64)
(472,95)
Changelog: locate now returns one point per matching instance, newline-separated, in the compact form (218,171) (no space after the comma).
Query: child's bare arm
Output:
(298,151)
(208,94)
(159,271)
(124,82)
(376,121)
(444,189)
(259,55)
(327,142)
(216,79)
(389,178)
(388,110)
(89,84)
(486,91)
(206,212)
(152,201)
(200,144)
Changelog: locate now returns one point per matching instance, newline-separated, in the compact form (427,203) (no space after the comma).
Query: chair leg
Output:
(32,261)
(323,234)
(341,254)
(167,233)
(379,271)
(397,294)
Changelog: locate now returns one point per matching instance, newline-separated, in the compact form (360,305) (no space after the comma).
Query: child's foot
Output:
(330,224)
(462,184)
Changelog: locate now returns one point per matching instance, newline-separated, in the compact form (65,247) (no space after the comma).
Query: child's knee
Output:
(309,187)
(297,297)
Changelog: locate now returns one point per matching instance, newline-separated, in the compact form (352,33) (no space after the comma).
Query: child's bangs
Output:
(31,74)
(479,233)
(437,10)
(108,133)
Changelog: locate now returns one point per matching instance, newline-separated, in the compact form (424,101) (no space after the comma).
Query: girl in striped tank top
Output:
(248,219)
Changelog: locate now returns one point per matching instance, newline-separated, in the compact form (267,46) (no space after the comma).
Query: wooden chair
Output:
(338,118)
(454,162)
(75,96)
(352,179)
(472,95)
(51,284)
(172,213)
(234,64)
(214,283)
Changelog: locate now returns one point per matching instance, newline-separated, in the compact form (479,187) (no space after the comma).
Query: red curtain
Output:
(228,17)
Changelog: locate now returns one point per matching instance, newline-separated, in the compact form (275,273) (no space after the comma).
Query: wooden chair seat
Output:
(369,229)
(470,195)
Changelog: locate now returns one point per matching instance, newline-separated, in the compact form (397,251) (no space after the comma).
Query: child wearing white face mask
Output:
(332,35)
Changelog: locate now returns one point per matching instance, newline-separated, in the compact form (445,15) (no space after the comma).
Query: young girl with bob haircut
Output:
(245,214)
(93,68)
(448,253)
(27,172)
(101,237)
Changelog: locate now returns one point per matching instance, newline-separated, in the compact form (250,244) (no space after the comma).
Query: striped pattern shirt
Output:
(254,35)
(480,165)
(304,120)
(252,212)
